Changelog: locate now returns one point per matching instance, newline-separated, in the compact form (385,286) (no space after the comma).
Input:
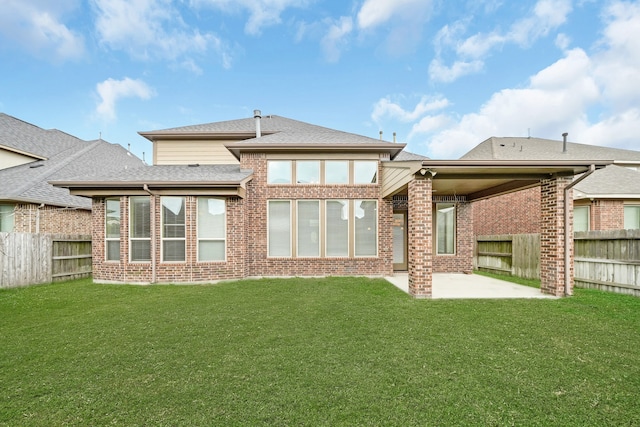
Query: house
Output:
(608,199)
(29,157)
(273,196)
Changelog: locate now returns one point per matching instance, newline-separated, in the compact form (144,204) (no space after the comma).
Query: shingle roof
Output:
(510,148)
(66,157)
(275,130)
(405,156)
(611,181)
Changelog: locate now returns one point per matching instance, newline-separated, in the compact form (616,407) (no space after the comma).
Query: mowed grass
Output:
(335,351)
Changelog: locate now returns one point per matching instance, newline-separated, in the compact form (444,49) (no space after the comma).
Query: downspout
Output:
(567,235)
(153,235)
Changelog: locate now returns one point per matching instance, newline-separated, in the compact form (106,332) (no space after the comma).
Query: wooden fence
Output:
(28,259)
(606,260)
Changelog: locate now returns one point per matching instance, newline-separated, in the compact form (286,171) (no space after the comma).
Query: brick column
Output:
(552,249)
(420,239)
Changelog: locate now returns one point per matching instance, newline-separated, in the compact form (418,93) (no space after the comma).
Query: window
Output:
(140,229)
(308,231)
(112,229)
(336,172)
(211,229)
(308,172)
(6,218)
(366,227)
(446,228)
(337,228)
(365,172)
(581,218)
(279,172)
(279,228)
(632,217)
(173,228)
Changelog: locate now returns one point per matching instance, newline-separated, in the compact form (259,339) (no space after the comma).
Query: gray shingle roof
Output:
(510,148)
(276,130)
(405,156)
(611,181)
(66,157)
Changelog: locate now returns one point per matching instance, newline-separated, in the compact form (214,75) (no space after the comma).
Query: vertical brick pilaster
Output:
(552,242)
(420,238)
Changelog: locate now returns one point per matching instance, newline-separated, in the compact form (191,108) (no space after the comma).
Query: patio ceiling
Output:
(482,179)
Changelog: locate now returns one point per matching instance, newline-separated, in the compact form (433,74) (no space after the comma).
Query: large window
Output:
(279,172)
(337,228)
(112,229)
(632,217)
(308,172)
(6,218)
(446,228)
(173,228)
(279,228)
(140,229)
(581,218)
(365,172)
(308,230)
(336,172)
(211,229)
(366,227)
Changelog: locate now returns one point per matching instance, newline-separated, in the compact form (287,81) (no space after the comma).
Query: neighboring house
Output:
(608,199)
(30,157)
(272,196)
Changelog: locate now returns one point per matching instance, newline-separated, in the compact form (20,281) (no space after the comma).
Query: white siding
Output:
(190,152)
(9,159)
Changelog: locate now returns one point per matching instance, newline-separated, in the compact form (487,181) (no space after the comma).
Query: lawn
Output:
(336,351)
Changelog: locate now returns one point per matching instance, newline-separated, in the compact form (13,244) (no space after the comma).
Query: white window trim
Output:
(173,239)
(588,208)
(629,205)
(112,239)
(211,239)
(132,239)
(455,229)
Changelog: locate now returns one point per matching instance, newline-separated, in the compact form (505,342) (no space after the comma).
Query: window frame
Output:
(297,228)
(269,222)
(163,238)
(326,228)
(454,207)
(273,162)
(632,206)
(298,168)
(222,239)
(139,239)
(108,239)
(355,228)
(355,170)
(586,208)
(7,217)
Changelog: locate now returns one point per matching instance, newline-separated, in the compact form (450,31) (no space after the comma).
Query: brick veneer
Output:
(552,243)
(420,238)
(513,213)
(607,215)
(31,218)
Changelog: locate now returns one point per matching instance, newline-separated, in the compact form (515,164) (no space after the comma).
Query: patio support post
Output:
(420,237)
(552,232)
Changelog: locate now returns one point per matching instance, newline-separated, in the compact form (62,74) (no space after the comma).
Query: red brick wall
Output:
(31,218)
(462,260)
(420,233)
(258,193)
(513,213)
(607,215)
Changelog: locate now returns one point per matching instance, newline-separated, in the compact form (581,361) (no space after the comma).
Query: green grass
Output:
(336,351)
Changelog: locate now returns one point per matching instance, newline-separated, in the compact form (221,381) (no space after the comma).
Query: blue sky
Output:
(444,75)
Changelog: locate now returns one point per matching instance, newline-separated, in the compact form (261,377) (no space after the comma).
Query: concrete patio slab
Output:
(472,286)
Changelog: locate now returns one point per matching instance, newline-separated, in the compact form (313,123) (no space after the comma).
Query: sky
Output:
(443,75)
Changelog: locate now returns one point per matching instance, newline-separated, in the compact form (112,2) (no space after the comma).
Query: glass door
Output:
(400,241)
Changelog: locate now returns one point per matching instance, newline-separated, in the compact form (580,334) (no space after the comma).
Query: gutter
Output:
(152,235)
(567,235)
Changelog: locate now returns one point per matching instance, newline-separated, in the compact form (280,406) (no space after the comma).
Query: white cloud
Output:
(111,91)
(377,12)
(152,29)
(38,27)
(442,73)
(547,15)
(385,107)
(335,39)
(262,13)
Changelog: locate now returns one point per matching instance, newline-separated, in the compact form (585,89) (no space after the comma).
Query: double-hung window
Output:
(173,228)
(211,229)
(632,217)
(140,228)
(112,229)
(581,218)
(446,228)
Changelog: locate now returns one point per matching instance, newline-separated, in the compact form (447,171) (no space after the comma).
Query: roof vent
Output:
(257,114)
(564,142)
(37,165)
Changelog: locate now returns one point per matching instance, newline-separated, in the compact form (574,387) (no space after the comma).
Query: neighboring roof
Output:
(28,182)
(407,156)
(277,133)
(510,148)
(611,182)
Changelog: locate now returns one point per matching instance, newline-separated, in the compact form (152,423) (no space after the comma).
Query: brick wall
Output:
(258,193)
(462,260)
(607,215)
(31,218)
(420,238)
(513,213)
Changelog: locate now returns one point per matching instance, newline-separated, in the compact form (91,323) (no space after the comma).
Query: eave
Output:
(385,147)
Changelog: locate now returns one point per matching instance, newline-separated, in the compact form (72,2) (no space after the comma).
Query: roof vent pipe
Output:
(257,115)
(564,142)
